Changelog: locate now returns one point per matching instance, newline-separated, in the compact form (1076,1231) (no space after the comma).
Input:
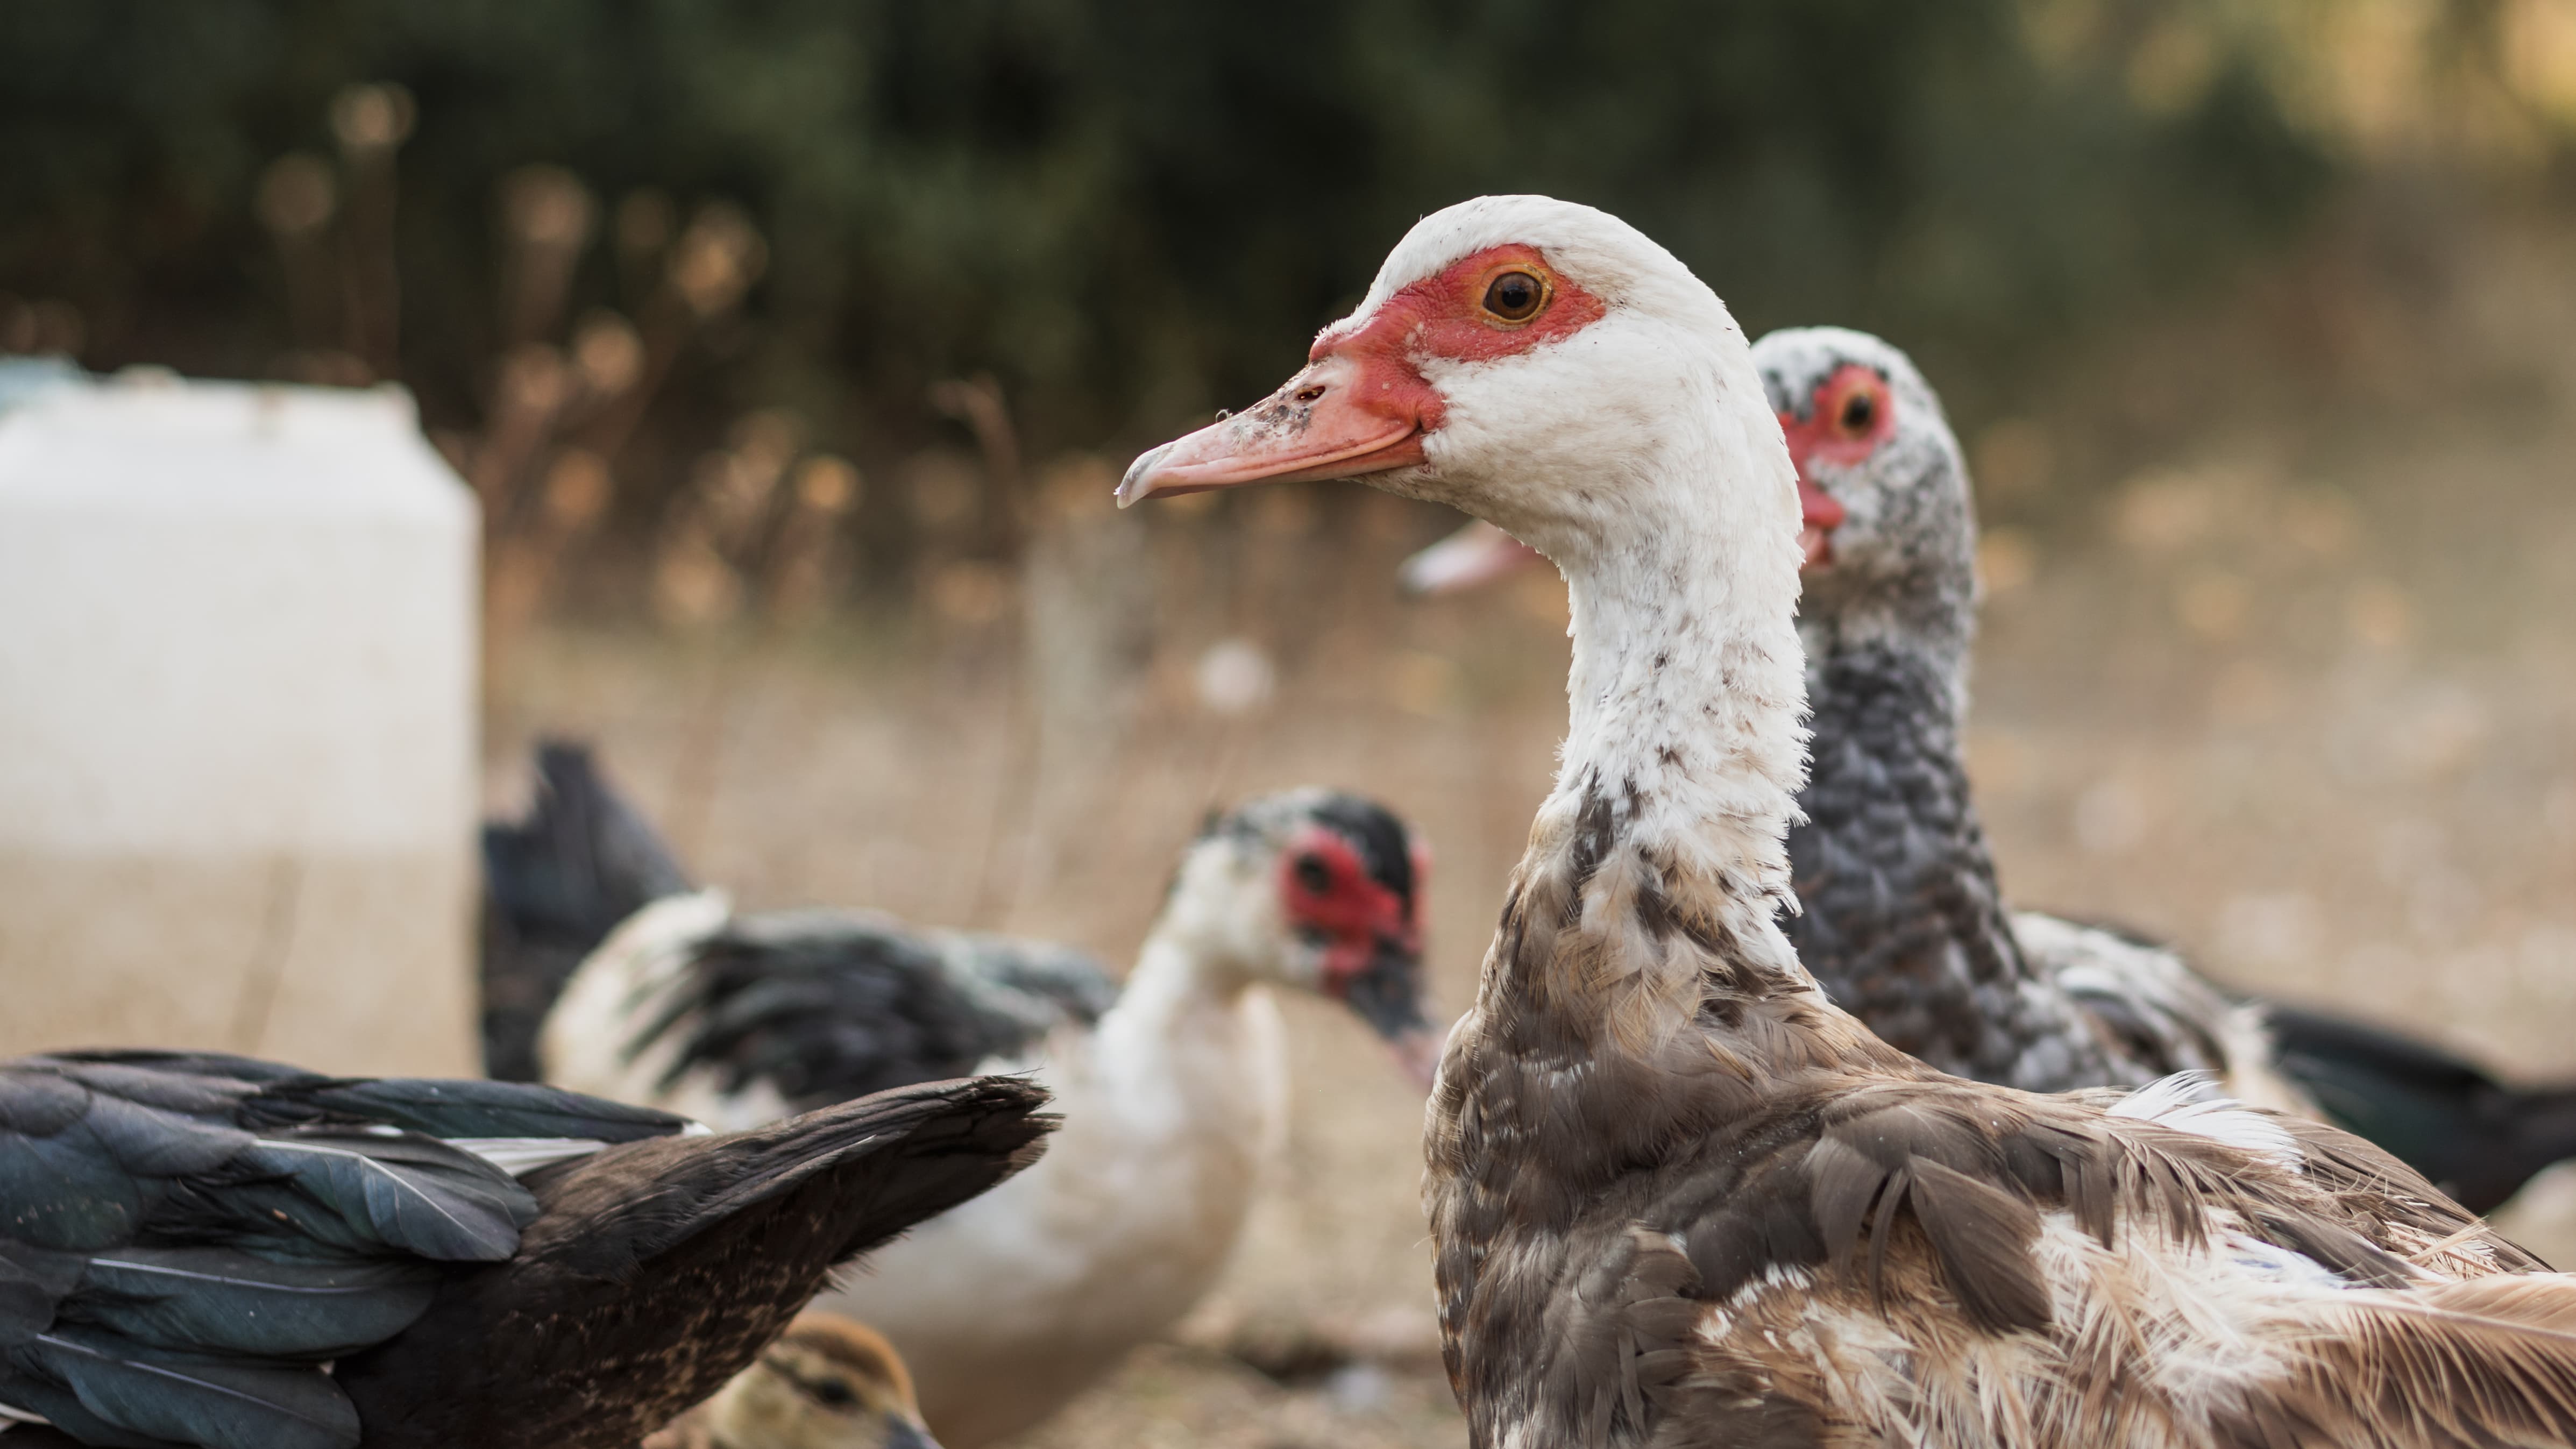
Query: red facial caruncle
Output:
(1849,415)
(1328,891)
(1498,302)
(1362,404)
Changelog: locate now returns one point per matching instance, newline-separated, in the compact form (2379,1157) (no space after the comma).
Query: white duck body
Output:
(1007,1307)
(1173,1109)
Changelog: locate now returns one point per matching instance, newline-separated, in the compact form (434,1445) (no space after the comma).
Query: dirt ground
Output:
(2280,671)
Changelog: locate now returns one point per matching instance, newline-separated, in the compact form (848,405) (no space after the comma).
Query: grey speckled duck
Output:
(1901,919)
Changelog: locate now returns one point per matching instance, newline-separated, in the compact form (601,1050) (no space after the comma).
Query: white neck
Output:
(1189,1068)
(1688,683)
(1181,1017)
(1177,976)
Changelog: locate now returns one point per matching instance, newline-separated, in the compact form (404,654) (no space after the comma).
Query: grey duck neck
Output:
(1901,919)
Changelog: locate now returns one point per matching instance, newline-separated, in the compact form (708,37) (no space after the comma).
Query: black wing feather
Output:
(218,1300)
(826,1006)
(221,1404)
(466,1109)
(186,1237)
(661,1268)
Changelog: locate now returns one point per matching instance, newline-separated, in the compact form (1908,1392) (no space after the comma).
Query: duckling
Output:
(827,1383)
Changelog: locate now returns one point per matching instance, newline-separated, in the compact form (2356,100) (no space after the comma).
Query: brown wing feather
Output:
(2460,1366)
(1982,1236)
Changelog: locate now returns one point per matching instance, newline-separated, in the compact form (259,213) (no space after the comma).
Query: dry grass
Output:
(2295,694)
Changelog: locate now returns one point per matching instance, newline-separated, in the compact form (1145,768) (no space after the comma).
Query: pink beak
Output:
(1326,422)
(1475,555)
(1818,516)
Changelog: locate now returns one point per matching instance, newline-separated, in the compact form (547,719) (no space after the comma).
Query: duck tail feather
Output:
(554,885)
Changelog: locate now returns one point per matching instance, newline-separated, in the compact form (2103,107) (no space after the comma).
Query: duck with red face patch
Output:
(1172,1085)
(1677,1195)
(1901,917)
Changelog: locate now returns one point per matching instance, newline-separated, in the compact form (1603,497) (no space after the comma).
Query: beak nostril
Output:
(1309,394)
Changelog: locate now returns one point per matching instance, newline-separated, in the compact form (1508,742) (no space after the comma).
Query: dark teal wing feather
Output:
(188,1239)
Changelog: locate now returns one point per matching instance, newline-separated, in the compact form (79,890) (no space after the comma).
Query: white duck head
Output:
(1315,890)
(1546,367)
(1538,363)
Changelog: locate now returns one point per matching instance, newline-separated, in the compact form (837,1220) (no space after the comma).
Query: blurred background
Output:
(793,349)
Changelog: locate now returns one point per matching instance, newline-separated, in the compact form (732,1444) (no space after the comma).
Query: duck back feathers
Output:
(1759,1229)
(827,1005)
(738,1019)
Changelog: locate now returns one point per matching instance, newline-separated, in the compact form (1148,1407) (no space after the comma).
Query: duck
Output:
(828,1382)
(1172,1085)
(1901,917)
(218,1251)
(1676,1194)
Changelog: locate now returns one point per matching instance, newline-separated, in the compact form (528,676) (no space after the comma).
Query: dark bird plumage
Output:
(554,885)
(819,1005)
(826,1005)
(201,1249)
(1900,917)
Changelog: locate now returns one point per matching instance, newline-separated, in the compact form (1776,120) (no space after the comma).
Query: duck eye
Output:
(1312,877)
(1515,296)
(834,1394)
(1860,413)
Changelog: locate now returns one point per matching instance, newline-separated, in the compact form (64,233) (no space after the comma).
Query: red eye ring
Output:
(1849,415)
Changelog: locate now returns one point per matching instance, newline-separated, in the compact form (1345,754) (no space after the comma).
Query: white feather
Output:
(2191,1102)
(519,1156)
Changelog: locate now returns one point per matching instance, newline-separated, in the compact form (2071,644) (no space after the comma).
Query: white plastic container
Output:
(237,672)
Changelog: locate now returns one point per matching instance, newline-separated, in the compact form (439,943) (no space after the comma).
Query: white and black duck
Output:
(1171,1084)
(207,1250)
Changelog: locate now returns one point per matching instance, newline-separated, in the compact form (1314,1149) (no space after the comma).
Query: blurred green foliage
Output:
(1129,211)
